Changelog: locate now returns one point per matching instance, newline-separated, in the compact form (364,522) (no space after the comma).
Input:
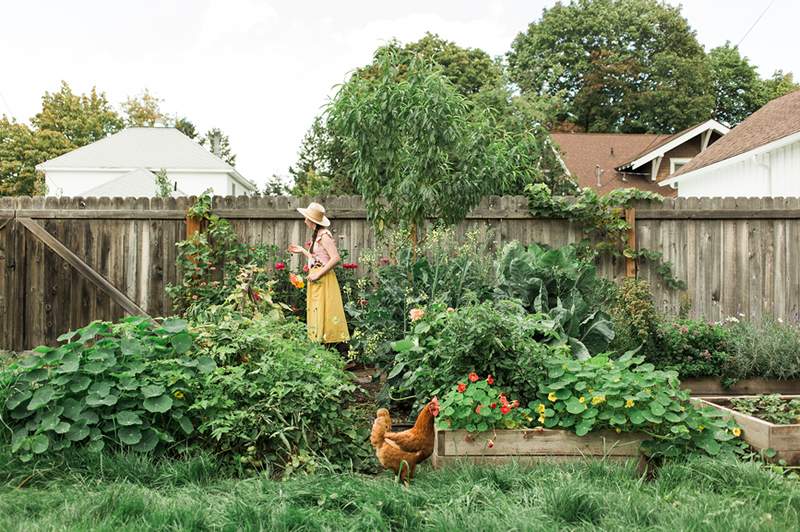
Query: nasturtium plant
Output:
(477,406)
(626,395)
(124,385)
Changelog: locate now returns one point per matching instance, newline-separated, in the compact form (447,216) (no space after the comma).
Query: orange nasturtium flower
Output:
(296,281)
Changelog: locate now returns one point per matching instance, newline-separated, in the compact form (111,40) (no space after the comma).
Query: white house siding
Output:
(774,175)
(76,182)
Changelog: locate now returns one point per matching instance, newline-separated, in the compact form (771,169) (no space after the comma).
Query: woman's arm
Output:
(329,245)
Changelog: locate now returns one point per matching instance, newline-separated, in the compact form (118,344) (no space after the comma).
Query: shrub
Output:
(125,385)
(499,339)
(277,399)
(693,348)
(636,322)
(770,349)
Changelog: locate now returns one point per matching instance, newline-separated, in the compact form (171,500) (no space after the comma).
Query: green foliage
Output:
(626,395)
(476,406)
(82,119)
(185,126)
(620,65)
(735,84)
(277,399)
(498,339)
(21,149)
(602,222)
(693,348)
(770,349)
(772,408)
(442,270)
(564,286)
(219,144)
(144,111)
(123,385)
(163,186)
(636,321)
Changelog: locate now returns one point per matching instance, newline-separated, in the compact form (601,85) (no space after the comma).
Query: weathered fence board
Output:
(737,255)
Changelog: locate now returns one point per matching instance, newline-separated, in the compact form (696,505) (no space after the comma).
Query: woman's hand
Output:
(294,248)
(313,276)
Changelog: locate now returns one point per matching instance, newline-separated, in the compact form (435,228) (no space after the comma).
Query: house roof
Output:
(774,122)
(662,146)
(584,152)
(143,147)
(139,183)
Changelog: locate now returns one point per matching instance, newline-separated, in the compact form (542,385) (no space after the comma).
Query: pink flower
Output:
(416,314)
(305,268)
(473,377)
(478,409)
(280,266)
(461,387)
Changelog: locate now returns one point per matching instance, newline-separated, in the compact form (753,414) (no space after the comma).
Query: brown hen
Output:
(402,451)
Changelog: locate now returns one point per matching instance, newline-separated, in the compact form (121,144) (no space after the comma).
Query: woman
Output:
(324,310)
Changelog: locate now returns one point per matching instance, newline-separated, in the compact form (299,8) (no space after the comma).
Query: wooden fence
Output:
(67,261)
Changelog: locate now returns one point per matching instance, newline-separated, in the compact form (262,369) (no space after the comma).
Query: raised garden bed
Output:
(761,434)
(713,386)
(534,446)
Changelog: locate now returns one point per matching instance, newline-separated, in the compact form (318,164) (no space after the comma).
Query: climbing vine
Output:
(601,218)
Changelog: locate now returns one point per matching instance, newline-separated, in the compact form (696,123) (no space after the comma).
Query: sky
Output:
(262,70)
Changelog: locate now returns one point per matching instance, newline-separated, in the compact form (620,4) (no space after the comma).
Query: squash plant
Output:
(124,385)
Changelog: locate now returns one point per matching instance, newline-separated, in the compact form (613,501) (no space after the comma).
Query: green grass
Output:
(129,492)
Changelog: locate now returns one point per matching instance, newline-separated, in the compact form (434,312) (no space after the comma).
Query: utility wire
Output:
(754,23)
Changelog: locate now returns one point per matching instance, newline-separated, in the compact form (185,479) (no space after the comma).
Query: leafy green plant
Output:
(693,348)
(560,283)
(125,385)
(772,408)
(602,222)
(625,394)
(475,405)
(499,339)
(770,349)
(636,321)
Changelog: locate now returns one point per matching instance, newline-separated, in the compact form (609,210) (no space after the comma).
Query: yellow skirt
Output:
(325,311)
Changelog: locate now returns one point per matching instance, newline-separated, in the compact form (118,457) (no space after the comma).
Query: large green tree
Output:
(21,149)
(324,166)
(735,83)
(81,118)
(777,85)
(620,65)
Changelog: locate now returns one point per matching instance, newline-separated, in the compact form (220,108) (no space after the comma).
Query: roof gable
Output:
(777,120)
(671,142)
(139,183)
(141,147)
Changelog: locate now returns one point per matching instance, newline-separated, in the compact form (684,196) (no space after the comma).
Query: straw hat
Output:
(316,213)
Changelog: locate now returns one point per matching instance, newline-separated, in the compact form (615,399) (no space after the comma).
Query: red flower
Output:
(503,400)
(280,266)
(384,261)
(349,265)
(493,405)
(305,268)
(256,295)
(473,377)
(461,387)
(490,444)
(362,302)
(505,409)
(478,409)
(489,380)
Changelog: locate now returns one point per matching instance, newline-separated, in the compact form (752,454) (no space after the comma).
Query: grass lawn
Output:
(129,492)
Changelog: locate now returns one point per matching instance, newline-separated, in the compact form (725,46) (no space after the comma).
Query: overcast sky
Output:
(261,70)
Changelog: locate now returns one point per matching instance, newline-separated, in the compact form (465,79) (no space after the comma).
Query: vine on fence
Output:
(601,220)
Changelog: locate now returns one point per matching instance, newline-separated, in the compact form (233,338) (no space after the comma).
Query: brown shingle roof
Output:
(582,151)
(777,119)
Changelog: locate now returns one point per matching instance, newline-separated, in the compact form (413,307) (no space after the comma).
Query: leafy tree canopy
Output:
(144,111)
(82,119)
(620,65)
(21,149)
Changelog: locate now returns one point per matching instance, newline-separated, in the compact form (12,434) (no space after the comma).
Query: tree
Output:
(776,86)
(735,84)
(144,111)
(21,149)
(185,126)
(418,150)
(219,144)
(322,166)
(82,119)
(620,65)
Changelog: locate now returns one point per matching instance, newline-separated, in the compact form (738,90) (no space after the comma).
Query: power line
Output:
(754,23)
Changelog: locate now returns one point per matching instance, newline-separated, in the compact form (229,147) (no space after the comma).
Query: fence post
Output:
(630,262)
(193,226)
